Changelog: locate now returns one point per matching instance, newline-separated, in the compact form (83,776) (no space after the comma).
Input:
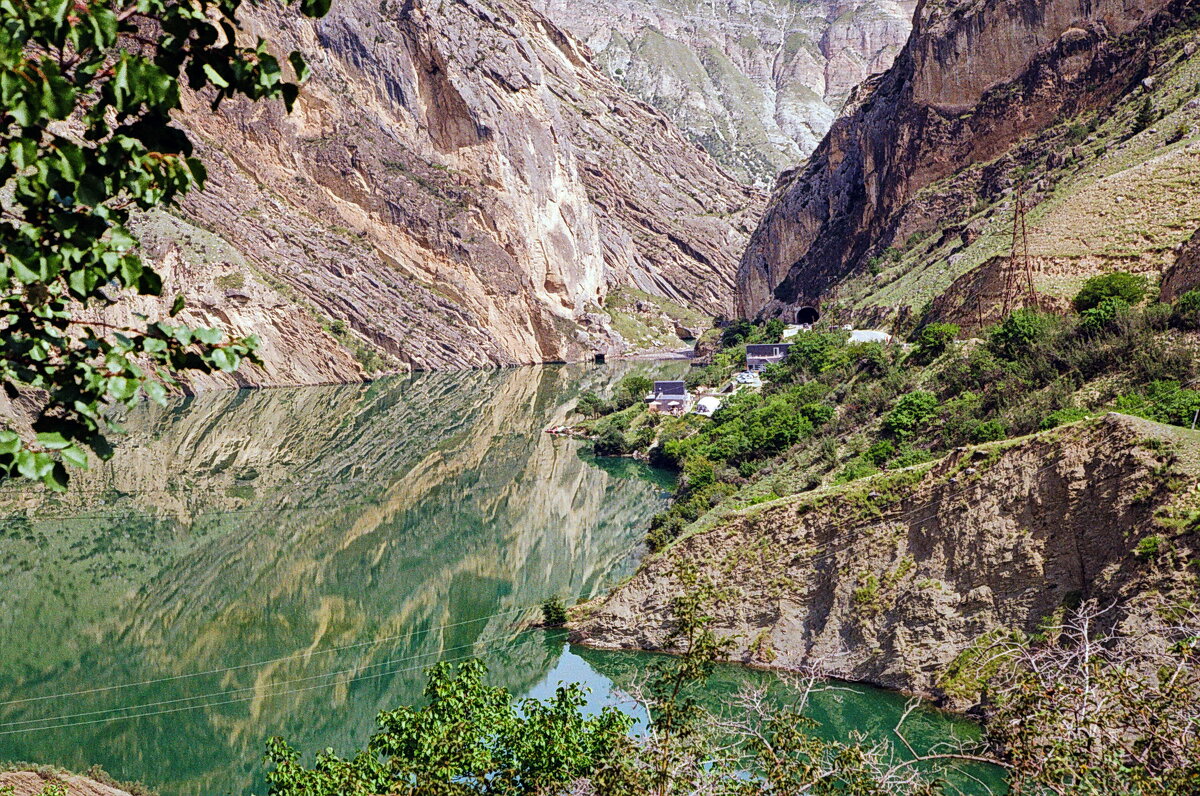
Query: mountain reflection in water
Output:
(290,562)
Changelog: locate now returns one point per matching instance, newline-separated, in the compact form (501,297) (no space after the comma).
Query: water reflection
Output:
(290,561)
(396,524)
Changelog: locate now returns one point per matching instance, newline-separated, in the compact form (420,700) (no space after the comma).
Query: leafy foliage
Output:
(471,738)
(1104,316)
(87,90)
(554,612)
(743,331)
(1018,333)
(1118,285)
(931,341)
(1185,312)
(910,413)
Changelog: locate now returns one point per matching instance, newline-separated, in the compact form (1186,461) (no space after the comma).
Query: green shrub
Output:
(698,473)
(811,352)
(1019,332)
(907,456)
(1145,115)
(854,470)
(989,431)
(631,390)
(1061,417)
(1119,284)
(879,453)
(867,595)
(931,341)
(1150,546)
(1105,316)
(910,413)
(736,333)
(554,612)
(1185,312)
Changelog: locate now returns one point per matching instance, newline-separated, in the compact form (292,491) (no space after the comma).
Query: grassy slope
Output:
(1123,199)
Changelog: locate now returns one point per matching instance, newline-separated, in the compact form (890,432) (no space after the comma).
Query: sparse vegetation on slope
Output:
(835,411)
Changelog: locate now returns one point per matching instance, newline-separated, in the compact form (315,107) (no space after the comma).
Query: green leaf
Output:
(208,336)
(225,360)
(156,391)
(53,440)
(122,388)
(177,305)
(10,442)
(75,456)
(215,77)
(299,66)
(56,477)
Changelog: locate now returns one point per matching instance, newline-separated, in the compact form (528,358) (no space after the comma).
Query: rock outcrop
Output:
(757,84)
(1184,274)
(458,186)
(890,579)
(989,95)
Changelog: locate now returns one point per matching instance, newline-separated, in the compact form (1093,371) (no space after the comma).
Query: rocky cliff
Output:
(1082,111)
(458,186)
(891,579)
(757,84)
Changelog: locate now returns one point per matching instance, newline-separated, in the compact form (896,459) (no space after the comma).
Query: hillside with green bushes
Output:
(834,411)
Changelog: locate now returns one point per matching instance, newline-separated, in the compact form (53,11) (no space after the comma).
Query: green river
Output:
(289,561)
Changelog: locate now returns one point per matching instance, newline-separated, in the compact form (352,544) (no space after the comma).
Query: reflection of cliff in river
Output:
(249,526)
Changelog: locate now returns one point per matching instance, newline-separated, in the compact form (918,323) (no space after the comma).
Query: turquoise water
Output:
(290,561)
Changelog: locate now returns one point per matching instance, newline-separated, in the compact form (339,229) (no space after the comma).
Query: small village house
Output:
(759,355)
(669,397)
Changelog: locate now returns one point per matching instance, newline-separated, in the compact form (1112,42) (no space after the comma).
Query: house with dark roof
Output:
(669,397)
(759,355)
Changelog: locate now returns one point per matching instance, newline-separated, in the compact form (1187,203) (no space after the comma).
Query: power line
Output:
(228,701)
(325,651)
(226,692)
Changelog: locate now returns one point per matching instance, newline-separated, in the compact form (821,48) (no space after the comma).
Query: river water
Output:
(289,562)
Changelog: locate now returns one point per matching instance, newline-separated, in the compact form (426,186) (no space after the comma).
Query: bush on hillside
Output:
(1185,312)
(590,405)
(1019,332)
(879,453)
(989,431)
(631,390)
(1061,417)
(811,352)
(1119,284)
(911,412)
(1163,402)
(1105,316)
(931,341)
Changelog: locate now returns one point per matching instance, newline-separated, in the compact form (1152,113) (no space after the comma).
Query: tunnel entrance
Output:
(807,315)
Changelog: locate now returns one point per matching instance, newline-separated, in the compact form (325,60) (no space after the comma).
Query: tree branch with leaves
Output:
(87,89)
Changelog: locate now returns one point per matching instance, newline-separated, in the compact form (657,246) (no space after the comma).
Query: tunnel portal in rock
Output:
(808,315)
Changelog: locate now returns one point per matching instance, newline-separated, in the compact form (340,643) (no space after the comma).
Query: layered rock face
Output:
(891,579)
(458,187)
(757,84)
(986,96)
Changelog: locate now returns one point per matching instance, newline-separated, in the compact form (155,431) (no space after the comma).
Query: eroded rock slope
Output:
(1082,109)
(458,186)
(890,579)
(757,84)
